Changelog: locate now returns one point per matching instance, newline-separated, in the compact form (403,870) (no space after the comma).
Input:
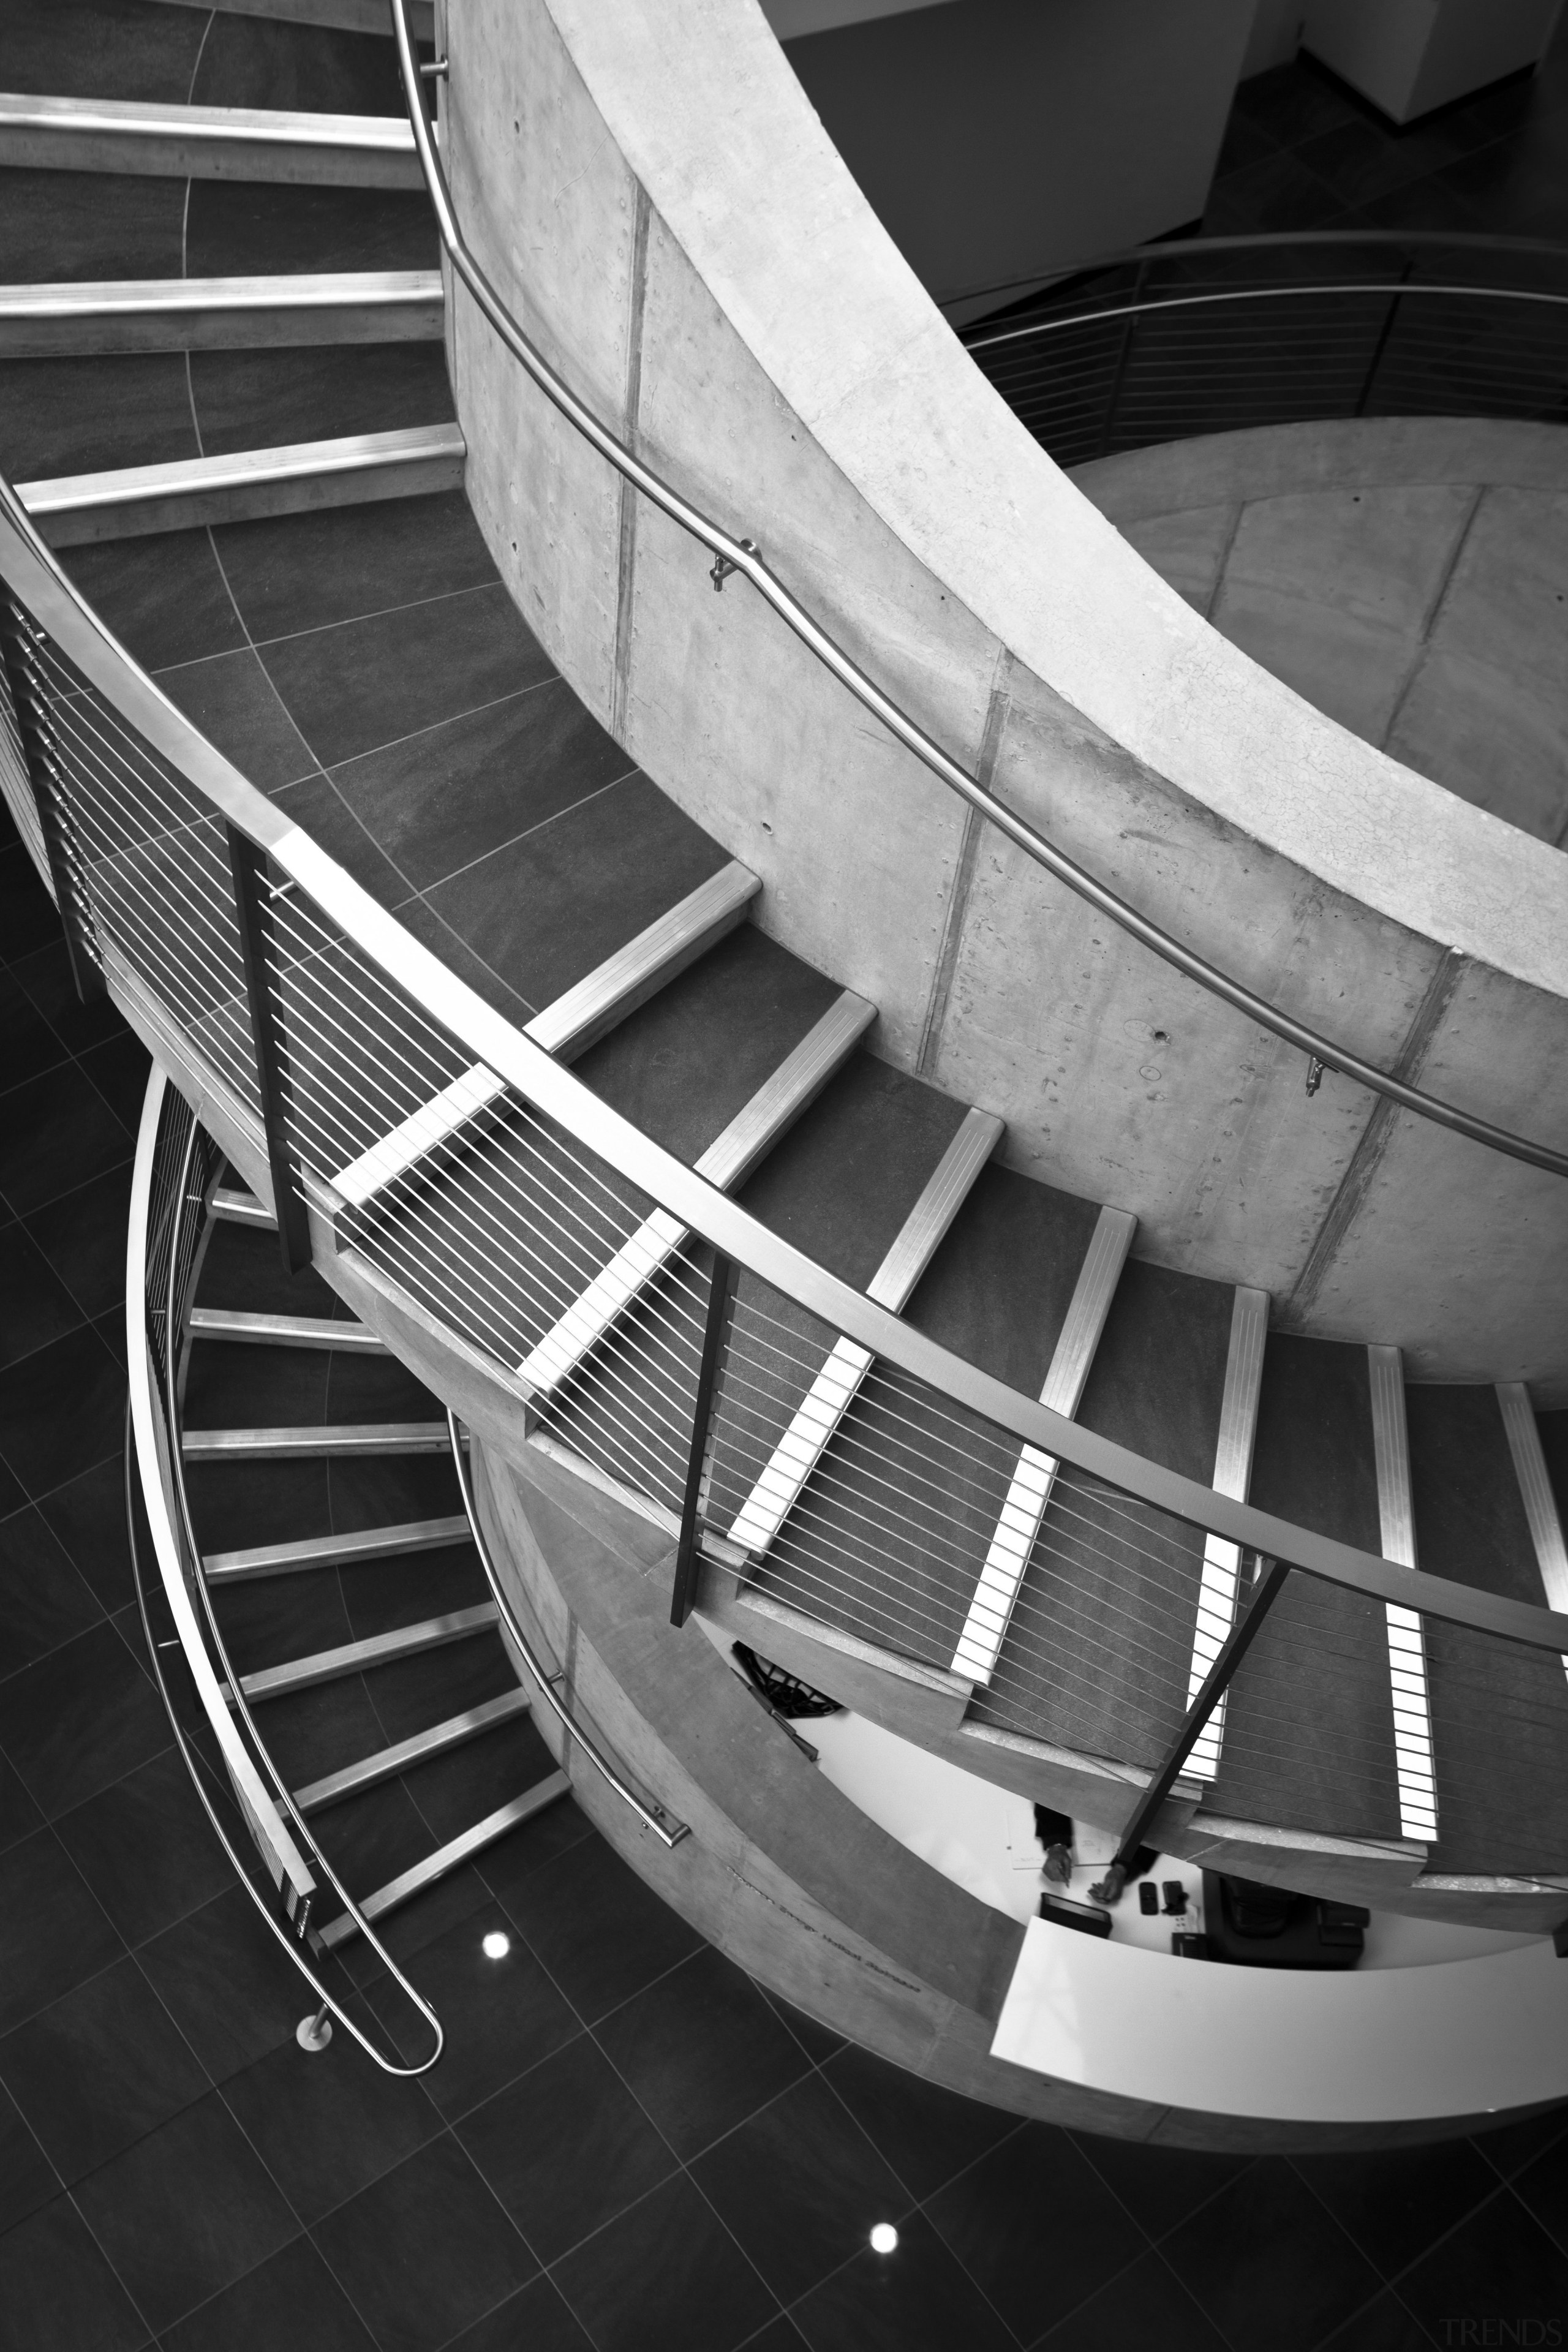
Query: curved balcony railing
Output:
(255,1817)
(732,554)
(1223,334)
(311,1025)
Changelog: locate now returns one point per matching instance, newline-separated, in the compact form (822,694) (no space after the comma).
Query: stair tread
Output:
(336,1550)
(390,134)
(774,1107)
(298,289)
(327,1437)
(810,1428)
(285,461)
(244,1325)
(449,1856)
(437,1739)
(371,1650)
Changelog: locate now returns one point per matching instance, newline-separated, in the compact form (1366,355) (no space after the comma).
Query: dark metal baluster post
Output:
(1128,330)
(252,897)
(1389,318)
(721,1299)
(1265,1590)
(19,642)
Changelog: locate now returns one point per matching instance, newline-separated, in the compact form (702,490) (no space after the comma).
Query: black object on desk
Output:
(1258,1927)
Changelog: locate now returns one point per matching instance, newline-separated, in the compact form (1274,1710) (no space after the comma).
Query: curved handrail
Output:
(1265,241)
(1186,301)
(742,555)
(554,1089)
(174,1547)
(665,1827)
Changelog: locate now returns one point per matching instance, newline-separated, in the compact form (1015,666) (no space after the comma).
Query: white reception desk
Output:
(1370,2046)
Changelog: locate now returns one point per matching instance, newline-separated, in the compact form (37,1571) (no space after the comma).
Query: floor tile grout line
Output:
(115,1168)
(1151,2253)
(381,612)
(1157,2239)
(1326,2343)
(416,734)
(555,817)
(683,2169)
(1493,2196)
(48,1493)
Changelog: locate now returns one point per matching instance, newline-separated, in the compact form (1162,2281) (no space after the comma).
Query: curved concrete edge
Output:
(620,203)
(704,106)
(786,1876)
(1280,460)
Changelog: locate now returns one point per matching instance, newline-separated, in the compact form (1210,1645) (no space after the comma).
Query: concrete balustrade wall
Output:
(654,199)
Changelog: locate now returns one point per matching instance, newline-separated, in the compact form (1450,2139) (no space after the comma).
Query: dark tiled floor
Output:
(1304,152)
(628,2145)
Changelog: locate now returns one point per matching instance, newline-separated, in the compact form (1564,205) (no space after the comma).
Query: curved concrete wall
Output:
(780,1871)
(1408,576)
(654,197)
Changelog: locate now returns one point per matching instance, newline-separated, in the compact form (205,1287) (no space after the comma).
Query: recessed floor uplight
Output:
(884,2238)
(496,1945)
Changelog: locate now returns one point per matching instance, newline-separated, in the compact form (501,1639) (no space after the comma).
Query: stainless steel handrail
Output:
(1274,240)
(181,1544)
(1404,288)
(552,1088)
(742,555)
(665,1827)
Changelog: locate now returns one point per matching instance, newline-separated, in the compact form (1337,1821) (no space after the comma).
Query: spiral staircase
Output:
(224,400)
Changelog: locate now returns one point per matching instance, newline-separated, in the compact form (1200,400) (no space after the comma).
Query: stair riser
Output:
(284,1559)
(135,515)
(307,1448)
(359,1658)
(219,330)
(322,1337)
(175,155)
(449,1857)
(333,16)
(440,1741)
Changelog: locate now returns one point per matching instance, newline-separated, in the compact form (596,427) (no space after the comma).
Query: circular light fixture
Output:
(496,1945)
(884,2238)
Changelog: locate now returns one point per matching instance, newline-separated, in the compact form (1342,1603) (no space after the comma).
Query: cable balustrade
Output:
(733,555)
(1229,334)
(504,1224)
(493,1226)
(251,1811)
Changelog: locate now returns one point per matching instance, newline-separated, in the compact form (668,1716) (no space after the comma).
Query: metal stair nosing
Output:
(232,1206)
(317,1331)
(363,1657)
(332,15)
(1409,1698)
(1220,1577)
(206,143)
(310,1442)
(576,1020)
(1018,1523)
(797,1453)
(175,314)
(420,1748)
(449,1857)
(398,1541)
(761,1123)
(1542,1515)
(129,501)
